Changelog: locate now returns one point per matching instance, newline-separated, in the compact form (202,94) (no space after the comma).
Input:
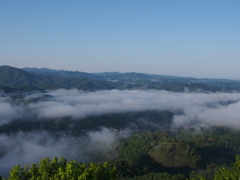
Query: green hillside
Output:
(14,77)
(10,76)
(147,155)
(54,79)
(174,154)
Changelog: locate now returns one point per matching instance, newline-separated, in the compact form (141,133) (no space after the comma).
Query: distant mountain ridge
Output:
(34,78)
(14,77)
(107,76)
(11,76)
(61,73)
(116,76)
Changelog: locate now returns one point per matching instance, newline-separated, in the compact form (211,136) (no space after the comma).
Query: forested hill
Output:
(107,76)
(14,77)
(133,80)
(160,155)
(149,156)
(32,78)
(125,77)
(62,73)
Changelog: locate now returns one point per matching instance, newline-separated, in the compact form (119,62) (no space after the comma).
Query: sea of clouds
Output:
(26,148)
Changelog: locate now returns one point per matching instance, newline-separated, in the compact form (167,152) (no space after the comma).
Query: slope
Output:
(61,73)
(14,77)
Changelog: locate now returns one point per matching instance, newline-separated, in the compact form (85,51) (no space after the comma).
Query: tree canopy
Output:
(62,170)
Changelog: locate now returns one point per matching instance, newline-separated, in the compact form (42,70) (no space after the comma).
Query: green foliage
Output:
(158,155)
(232,172)
(62,170)
(175,154)
(188,150)
(138,156)
(141,143)
(217,145)
(224,173)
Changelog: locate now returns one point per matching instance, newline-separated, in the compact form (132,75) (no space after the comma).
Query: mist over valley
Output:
(40,118)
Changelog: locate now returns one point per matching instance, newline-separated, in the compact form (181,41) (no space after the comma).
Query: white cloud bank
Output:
(27,148)
(223,108)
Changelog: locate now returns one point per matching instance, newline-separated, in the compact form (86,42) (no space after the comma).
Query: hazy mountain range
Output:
(34,78)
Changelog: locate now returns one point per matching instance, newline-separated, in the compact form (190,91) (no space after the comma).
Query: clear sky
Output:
(196,38)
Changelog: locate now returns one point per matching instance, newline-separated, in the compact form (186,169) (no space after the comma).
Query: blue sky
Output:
(183,38)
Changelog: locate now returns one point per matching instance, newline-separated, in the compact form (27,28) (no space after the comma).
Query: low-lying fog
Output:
(27,148)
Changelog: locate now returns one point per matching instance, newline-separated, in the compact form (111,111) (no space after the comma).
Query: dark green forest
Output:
(184,154)
(162,154)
